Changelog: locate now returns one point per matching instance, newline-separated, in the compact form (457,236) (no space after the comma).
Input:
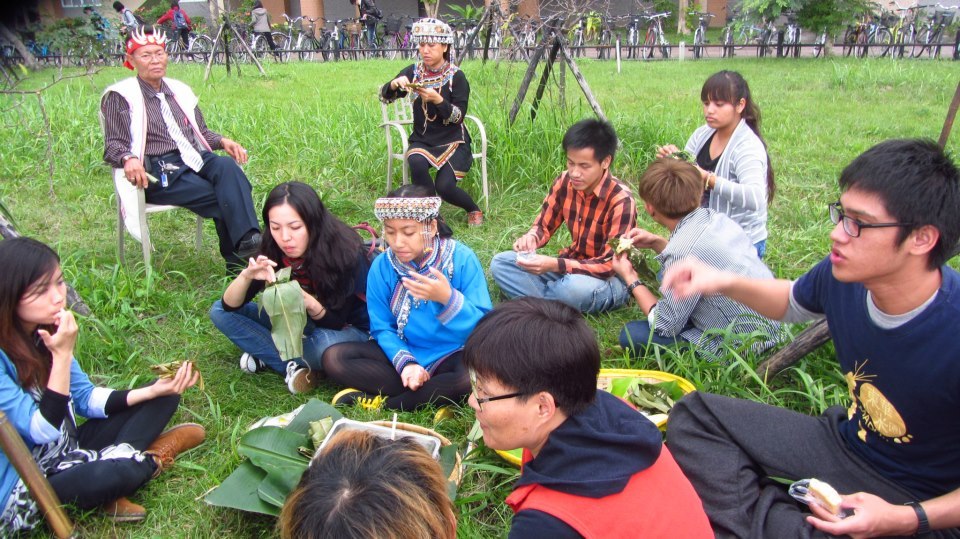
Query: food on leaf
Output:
(283,302)
(653,398)
(638,257)
(319,430)
(683,155)
(166,371)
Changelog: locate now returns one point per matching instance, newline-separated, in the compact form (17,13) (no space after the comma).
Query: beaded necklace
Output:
(433,79)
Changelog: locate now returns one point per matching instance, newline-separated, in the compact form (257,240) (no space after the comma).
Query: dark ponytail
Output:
(731,87)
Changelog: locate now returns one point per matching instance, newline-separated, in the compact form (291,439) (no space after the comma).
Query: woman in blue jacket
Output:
(425,294)
(43,388)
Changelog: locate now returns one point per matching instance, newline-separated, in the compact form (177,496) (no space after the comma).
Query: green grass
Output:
(319,124)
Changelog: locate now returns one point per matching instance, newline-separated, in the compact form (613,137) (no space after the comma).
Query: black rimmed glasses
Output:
(853,226)
(482,400)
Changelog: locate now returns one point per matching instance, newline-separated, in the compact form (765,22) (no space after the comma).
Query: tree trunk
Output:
(29,59)
(214,8)
(682,17)
(807,341)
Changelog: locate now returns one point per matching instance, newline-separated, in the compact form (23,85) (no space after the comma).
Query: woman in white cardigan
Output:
(732,156)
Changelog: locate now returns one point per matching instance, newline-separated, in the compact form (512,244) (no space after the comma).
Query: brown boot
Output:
(475,218)
(174,441)
(123,510)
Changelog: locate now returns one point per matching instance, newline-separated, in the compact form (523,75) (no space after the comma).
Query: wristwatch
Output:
(924,524)
(632,286)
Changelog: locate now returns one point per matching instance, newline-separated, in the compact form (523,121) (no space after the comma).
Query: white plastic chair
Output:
(132,211)
(397,116)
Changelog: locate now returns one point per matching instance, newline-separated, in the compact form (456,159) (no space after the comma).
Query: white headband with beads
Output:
(419,209)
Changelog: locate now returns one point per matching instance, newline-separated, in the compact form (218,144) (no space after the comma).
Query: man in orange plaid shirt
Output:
(596,207)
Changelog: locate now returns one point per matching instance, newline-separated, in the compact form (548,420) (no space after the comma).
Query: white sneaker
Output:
(301,379)
(250,364)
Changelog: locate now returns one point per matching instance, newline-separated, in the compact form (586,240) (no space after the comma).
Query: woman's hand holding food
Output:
(666,150)
(399,83)
(435,287)
(429,95)
(414,376)
(260,269)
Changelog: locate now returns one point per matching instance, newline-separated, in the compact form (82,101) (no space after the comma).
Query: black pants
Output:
(446,182)
(269,38)
(94,483)
(364,366)
(219,191)
(731,448)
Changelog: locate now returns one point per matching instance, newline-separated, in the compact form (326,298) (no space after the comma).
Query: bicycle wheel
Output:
(849,41)
(664,47)
(935,44)
(882,42)
(907,35)
(646,51)
(818,47)
(698,42)
(282,41)
(200,49)
(796,42)
(260,47)
(727,51)
(922,42)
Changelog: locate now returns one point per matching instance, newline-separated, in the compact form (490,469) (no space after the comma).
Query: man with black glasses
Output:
(893,308)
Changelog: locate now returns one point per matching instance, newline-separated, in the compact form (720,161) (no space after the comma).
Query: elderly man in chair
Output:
(154,131)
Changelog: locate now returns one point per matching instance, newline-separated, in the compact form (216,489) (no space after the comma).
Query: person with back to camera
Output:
(152,125)
(127,17)
(260,20)
(370,15)
(732,156)
(438,137)
(671,190)
(597,207)
(180,20)
(893,308)
(362,486)
(424,295)
(42,390)
(593,466)
(327,259)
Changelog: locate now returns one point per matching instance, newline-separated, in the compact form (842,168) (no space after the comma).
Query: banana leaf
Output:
(240,491)
(262,483)
(283,302)
(448,461)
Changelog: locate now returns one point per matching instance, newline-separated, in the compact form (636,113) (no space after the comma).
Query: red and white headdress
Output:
(139,38)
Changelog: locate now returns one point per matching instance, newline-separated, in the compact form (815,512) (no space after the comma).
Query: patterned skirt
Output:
(459,155)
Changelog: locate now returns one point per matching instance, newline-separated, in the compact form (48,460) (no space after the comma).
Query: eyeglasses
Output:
(483,400)
(151,57)
(853,226)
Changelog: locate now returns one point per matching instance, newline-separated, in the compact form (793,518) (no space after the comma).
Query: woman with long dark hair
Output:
(43,389)
(424,295)
(732,155)
(327,259)
(438,138)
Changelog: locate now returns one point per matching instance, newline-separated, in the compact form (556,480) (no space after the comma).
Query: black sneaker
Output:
(250,364)
(249,247)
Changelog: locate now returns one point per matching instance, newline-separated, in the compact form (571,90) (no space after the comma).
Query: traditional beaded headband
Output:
(432,31)
(140,38)
(419,209)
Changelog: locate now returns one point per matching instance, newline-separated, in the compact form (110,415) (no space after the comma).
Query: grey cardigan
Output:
(261,22)
(740,191)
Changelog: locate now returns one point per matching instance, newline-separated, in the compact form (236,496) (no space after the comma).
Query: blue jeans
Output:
(249,329)
(761,247)
(636,336)
(583,292)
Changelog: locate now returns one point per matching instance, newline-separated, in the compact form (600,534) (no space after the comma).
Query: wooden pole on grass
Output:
(15,450)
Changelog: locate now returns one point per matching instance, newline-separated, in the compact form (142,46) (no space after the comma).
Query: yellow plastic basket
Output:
(514,456)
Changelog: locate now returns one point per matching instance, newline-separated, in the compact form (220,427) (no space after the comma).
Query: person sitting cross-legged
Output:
(592,465)
(671,190)
(153,126)
(893,308)
(596,207)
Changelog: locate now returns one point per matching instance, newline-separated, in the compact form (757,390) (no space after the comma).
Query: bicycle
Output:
(605,43)
(767,40)
(578,37)
(930,35)
(330,40)
(820,43)
(633,36)
(904,30)
(791,36)
(395,41)
(655,39)
(700,34)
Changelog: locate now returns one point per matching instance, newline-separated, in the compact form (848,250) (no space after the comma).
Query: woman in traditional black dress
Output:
(440,93)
